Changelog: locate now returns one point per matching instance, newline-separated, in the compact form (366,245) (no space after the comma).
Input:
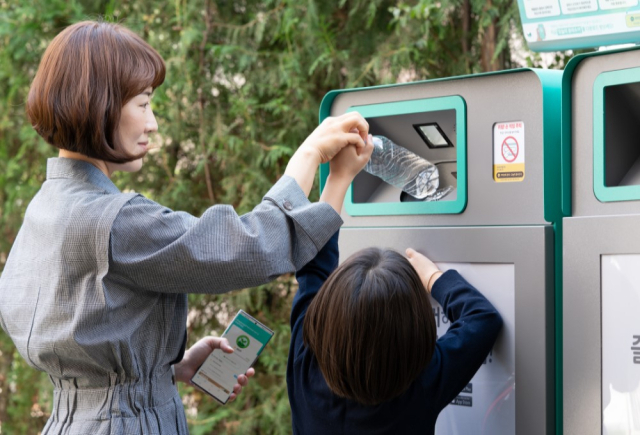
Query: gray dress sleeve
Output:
(156,249)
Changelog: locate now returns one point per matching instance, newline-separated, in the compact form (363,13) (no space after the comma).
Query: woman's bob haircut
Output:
(87,74)
(371,327)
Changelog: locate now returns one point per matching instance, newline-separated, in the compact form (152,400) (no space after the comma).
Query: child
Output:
(364,357)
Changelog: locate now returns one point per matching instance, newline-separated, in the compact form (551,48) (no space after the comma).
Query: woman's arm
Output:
(153,248)
(156,249)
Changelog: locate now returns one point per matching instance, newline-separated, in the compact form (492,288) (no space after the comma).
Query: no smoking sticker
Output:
(508,151)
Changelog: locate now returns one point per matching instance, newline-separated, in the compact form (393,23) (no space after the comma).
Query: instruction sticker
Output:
(508,151)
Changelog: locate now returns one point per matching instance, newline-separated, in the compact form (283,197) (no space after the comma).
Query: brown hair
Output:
(371,327)
(87,74)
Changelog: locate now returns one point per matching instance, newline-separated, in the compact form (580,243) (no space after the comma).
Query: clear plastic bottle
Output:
(402,168)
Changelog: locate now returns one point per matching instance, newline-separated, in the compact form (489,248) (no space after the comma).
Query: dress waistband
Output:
(118,400)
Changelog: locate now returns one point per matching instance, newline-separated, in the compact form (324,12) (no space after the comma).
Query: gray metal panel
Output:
(530,249)
(585,239)
(493,98)
(584,202)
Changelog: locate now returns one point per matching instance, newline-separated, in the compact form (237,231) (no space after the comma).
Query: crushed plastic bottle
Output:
(402,168)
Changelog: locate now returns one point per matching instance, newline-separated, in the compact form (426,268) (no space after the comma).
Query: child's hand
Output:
(348,163)
(427,270)
(336,133)
(343,168)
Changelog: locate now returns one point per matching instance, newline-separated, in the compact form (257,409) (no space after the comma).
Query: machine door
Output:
(601,332)
(513,268)
(487,404)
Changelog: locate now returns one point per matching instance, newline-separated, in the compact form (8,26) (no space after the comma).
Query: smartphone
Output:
(219,372)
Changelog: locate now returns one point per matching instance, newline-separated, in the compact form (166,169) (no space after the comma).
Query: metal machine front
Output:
(601,301)
(602,325)
(512,393)
(495,141)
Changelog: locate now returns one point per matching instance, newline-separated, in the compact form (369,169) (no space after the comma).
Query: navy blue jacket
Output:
(459,353)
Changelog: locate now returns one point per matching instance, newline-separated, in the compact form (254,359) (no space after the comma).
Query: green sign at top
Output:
(551,25)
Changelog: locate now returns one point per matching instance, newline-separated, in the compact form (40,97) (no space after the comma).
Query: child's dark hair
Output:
(371,327)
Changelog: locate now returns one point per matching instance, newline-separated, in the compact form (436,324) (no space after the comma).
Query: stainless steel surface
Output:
(584,201)
(585,240)
(489,99)
(530,249)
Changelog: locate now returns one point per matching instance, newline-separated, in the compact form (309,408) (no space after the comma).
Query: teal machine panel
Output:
(601,330)
(616,156)
(501,223)
(450,114)
(478,114)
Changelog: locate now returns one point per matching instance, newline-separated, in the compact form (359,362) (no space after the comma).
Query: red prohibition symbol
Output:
(510,149)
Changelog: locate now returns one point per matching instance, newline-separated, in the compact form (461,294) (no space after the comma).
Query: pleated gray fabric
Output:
(94,289)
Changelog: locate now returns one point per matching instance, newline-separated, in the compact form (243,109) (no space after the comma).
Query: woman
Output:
(94,289)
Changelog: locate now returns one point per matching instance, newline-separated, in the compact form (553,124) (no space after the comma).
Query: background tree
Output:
(244,83)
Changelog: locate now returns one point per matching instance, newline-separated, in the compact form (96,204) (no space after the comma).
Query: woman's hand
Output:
(427,270)
(350,161)
(335,133)
(323,144)
(195,356)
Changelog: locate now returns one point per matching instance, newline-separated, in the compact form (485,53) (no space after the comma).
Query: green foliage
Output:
(244,84)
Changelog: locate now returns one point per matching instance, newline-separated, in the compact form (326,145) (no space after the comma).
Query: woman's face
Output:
(136,123)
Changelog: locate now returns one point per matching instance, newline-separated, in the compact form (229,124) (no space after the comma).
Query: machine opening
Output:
(622,135)
(411,131)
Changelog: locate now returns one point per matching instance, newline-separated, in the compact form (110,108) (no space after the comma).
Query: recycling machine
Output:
(495,139)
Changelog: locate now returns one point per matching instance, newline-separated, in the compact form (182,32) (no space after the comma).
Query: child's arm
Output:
(311,277)
(461,351)
(475,325)
(343,168)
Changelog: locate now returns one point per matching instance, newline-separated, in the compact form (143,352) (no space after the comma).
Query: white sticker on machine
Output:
(487,405)
(508,151)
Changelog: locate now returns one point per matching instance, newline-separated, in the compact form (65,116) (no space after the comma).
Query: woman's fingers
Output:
(353,122)
(355,139)
(242,380)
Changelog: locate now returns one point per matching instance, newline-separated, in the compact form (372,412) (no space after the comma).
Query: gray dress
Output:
(94,290)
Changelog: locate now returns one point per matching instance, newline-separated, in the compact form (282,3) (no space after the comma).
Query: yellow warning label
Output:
(508,172)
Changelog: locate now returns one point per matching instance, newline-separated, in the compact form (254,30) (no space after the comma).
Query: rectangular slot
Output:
(622,135)
(616,132)
(414,125)
(404,131)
